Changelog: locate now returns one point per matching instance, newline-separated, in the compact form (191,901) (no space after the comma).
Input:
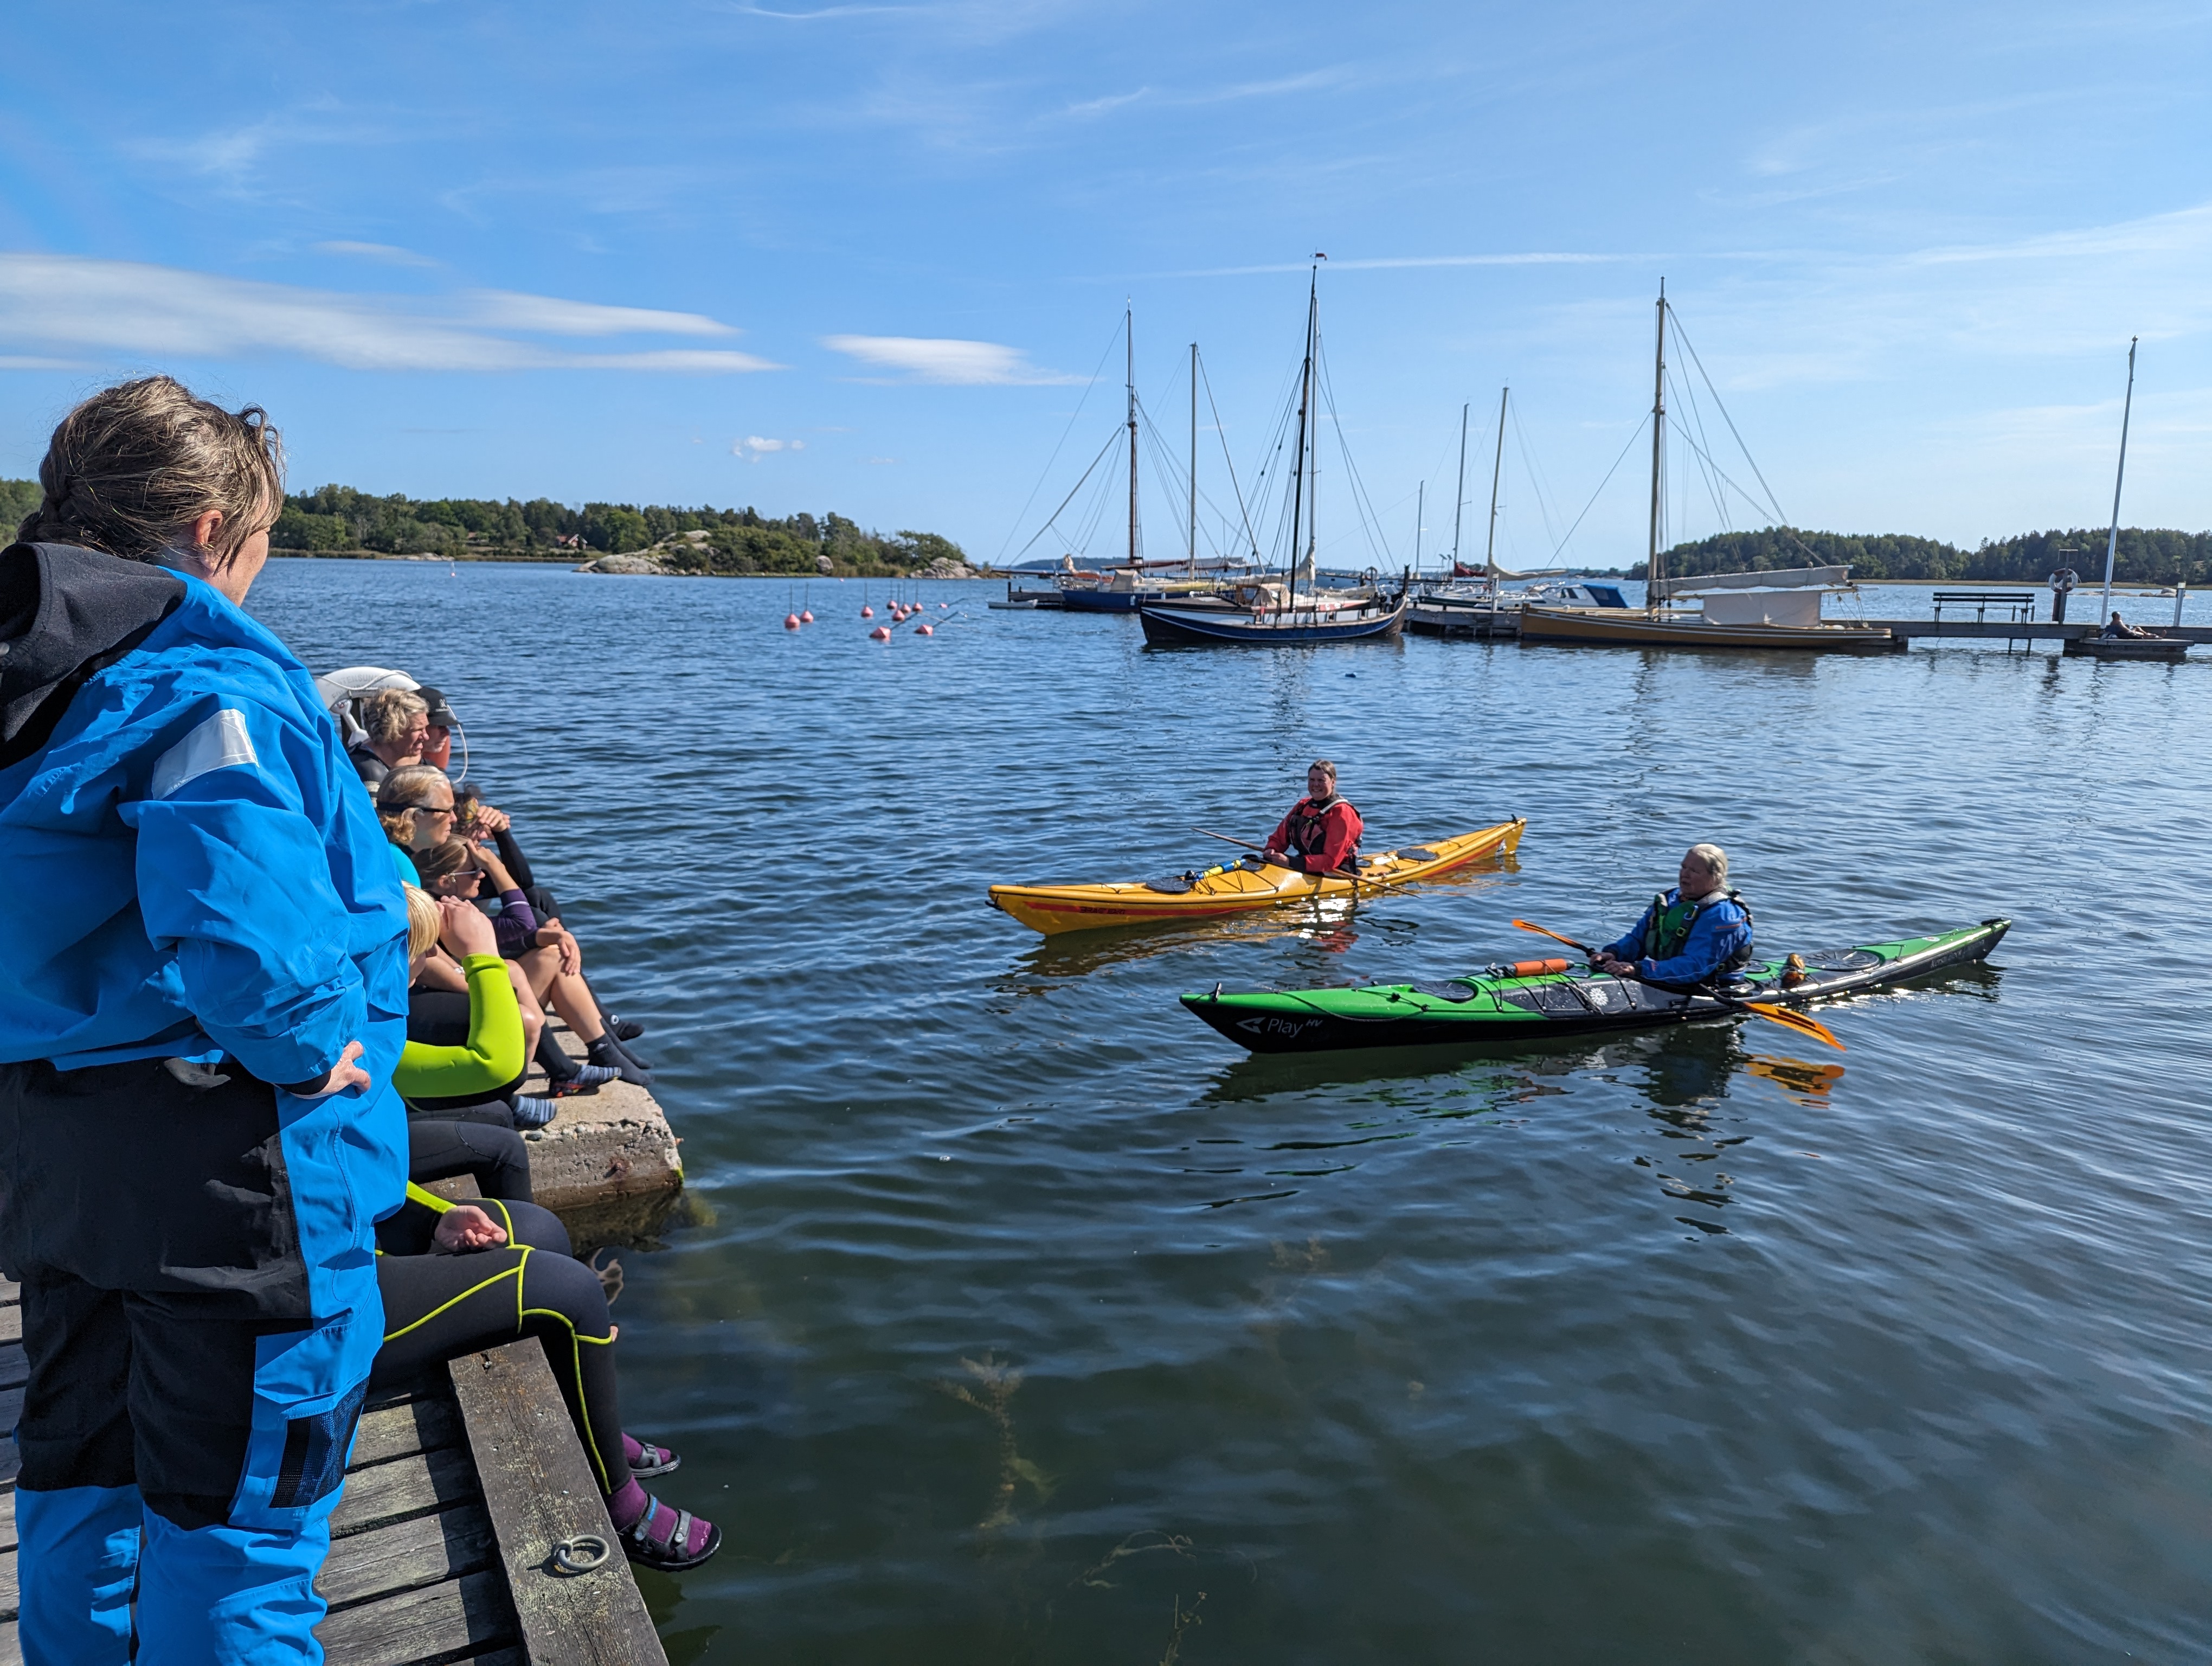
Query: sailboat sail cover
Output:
(1793,578)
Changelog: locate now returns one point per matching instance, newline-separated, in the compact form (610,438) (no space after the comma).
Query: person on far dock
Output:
(1693,933)
(1321,833)
(2120,627)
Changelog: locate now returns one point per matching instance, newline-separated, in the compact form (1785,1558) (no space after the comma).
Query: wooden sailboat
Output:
(1263,612)
(1760,610)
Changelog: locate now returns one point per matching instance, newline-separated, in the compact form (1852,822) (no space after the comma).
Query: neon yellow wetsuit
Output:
(493,1056)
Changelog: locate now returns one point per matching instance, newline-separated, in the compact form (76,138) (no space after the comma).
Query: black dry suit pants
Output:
(438,1307)
(164,1496)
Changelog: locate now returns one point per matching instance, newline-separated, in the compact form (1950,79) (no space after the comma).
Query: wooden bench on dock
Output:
(461,1486)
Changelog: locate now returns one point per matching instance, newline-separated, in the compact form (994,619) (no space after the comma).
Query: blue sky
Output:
(866,256)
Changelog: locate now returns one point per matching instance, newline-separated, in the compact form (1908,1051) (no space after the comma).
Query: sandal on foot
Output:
(647,1460)
(678,1546)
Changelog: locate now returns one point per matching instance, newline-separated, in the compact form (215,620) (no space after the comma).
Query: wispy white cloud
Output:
(755,446)
(947,360)
(389,254)
(501,309)
(122,308)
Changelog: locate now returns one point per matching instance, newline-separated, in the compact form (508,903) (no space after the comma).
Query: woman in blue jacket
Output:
(203,994)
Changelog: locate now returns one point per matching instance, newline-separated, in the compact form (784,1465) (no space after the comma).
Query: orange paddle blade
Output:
(1798,1021)
(1526,927)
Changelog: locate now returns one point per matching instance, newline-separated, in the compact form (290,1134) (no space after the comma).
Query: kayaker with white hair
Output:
(1690,935)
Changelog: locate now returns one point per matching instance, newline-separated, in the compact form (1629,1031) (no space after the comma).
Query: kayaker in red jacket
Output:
(1321,833)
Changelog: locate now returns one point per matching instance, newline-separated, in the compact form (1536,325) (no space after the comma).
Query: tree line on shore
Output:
(2147,556)
(735,542)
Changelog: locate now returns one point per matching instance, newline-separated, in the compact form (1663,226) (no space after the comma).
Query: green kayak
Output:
(1500,1006)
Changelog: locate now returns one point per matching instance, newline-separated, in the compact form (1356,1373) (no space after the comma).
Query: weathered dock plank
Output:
(539,1492)
(2017,630)
(432,1624)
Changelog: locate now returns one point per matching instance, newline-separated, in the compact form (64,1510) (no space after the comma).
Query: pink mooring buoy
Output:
(925,630)
(867,612)
(806,616)
(791,622)
(880,633)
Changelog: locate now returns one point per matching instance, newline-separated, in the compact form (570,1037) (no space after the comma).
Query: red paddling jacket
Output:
(1323,832)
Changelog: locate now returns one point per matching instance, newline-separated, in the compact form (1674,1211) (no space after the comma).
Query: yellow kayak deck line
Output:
(1241,888)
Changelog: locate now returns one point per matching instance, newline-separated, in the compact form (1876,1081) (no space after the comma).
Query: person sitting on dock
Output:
(1693,933)
(1321,833)
(398,726)
(2120,627)
(456,1277)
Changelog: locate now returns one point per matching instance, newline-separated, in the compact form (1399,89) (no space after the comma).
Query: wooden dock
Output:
(1433,618)
(464,1485)
(2014,630)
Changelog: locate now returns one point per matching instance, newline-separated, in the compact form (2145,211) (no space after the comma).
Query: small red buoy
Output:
(867,612)
(880,633)
(806,616)
(925,630)
(791,622)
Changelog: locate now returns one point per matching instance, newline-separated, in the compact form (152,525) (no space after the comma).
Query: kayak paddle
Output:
(1787,1019)
(1338,874)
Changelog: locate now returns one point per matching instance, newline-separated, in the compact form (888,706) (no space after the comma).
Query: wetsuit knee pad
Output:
(541,1229)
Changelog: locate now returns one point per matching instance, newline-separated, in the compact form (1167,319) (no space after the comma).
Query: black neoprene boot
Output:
(607,1052)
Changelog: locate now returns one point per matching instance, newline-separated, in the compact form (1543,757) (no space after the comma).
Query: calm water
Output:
(1021,1318)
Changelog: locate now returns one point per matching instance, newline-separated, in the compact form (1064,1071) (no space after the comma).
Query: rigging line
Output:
(1044,473)
(1528,466)
(1377,541)
(1169,470)
(1222,433)
(1772,501)
(1686,395)
(1562,544)
(1708,462)
(1110,445)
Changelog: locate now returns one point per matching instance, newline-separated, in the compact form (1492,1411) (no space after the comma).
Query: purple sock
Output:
(627,1505)
(633,1448)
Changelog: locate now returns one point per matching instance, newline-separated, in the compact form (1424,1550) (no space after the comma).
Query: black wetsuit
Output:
(438,1307)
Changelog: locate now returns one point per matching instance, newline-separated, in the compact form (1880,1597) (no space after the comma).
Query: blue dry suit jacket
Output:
(193,871)
(1720,930)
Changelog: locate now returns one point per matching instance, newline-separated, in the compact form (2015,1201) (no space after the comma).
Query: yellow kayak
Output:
(1238,887)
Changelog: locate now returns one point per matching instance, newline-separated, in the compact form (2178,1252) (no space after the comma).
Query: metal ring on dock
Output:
(582,1554)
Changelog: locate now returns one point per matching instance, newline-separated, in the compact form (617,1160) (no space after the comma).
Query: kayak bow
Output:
(1239,887)
(1493,1008)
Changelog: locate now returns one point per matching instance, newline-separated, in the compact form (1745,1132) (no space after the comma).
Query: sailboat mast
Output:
(1420,513)
(2112,544)
(1298,462)
(1313,479)
(1129,336)
(1497,467)
(1655,592)
(1459,502)
(1193,459)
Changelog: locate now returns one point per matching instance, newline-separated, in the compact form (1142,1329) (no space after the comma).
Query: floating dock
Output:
(468,1490)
